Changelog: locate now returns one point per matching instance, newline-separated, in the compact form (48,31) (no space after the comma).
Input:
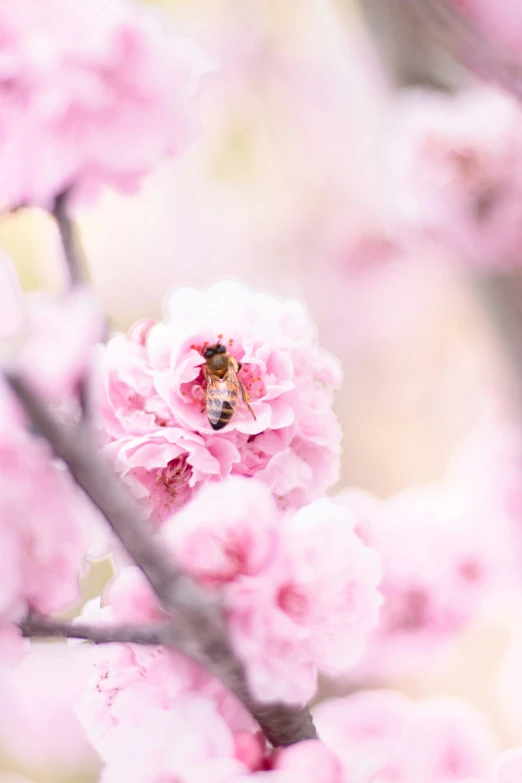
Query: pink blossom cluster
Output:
(38,725)
(441,558)
(455,173)
(152,400)
(154,715)
(48,340)
(299,591)
(43,520)
(92,94)
(385,736)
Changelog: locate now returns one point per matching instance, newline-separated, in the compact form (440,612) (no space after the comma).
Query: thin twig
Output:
(69,236)
(37,626)
(199,621)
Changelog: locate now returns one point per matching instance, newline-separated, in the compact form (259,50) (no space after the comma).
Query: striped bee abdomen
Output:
(226,414)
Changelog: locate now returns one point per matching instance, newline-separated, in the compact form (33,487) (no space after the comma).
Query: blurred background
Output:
(286,189)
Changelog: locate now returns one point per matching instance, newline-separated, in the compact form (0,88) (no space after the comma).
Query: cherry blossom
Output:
(301,595)
(441,559)
(152,400)
(93,94)
(37,700)
(455,173)
(156,693)
(385,735)
(42,553)
(52,338)
(508,768)
(310,761)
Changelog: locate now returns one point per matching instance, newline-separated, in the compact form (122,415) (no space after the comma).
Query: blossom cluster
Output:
(455,173)
(151,400)
(92,94)
(45,522)
(152,715)
(43,529)
(299,591)
(441,561)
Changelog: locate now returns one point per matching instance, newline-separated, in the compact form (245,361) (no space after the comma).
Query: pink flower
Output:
(188,743)
(385,736)
(152,400)
(38,726)
(228,533)
(455,166)
(440,561)
(508,768)
(311,761)
(132,684)
(92,94)
(300,591)
(55,336)
(60,338)
(43,524)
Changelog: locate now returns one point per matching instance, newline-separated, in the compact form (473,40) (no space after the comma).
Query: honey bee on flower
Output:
(223,386)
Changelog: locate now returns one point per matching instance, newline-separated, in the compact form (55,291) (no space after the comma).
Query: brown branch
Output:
(502,296)
(69,236)
(37,626)
(406,49)
(199,621)
(416,32)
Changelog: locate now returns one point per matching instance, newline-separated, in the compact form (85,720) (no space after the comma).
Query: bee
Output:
(223,386)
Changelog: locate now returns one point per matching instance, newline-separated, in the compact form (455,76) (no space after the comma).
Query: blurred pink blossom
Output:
(509,766)
(310,761)
(126,678)
(38,726)
(188,743)
(300,595)
(92,93)
(43,524)
(152,400)
(60,337)
(55,336)
(386,736)
(229,532)
(441,559)
(455,172)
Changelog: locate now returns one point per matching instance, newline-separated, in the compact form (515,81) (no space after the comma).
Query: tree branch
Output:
(69,236)
(501,292)
(198,618)
(418,31)
(405,46)
(37,626)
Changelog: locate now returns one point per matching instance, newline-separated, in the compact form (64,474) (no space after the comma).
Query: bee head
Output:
(212,350)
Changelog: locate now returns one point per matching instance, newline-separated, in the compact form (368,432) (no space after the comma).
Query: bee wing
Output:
(221,394)
(233,371)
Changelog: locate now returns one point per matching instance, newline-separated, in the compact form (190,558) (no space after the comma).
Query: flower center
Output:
(293,602)
(175,476)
